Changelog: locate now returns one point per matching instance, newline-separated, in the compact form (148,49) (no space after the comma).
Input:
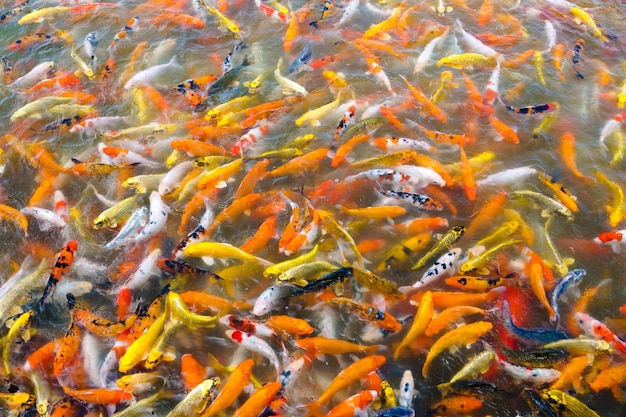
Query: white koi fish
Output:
(151,76)
(32,77)
(445,265)
(427,53)
(157,217)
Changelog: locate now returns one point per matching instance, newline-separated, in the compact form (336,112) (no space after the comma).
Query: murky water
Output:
(586,96)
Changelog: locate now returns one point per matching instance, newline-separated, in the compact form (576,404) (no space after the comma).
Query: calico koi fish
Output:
(62,265)
(540,108)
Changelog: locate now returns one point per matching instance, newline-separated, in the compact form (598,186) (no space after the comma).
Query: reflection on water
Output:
(308,164)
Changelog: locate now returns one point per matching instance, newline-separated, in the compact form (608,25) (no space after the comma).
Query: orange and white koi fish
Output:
(356,405)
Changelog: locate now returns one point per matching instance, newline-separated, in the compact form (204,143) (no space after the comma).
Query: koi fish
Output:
(424,314)
(345,378)
(540,108)
(447,240)
(582,16)
(462,335)
(197,399)
(255,344)
(62,265)
(568,403)
(596,329)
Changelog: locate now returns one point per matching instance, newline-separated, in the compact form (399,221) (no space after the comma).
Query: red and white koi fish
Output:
(611,127)
(249,140)
(121,156)
(257,345)
(614,239)
(598,330)
(270,12)
(491,93)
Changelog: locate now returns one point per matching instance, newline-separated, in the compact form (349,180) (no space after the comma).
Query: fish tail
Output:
(315,410)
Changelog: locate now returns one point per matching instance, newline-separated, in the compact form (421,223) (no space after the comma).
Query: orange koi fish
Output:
(475,97)
(29,41)
(252,178)
(430,108)
(467,175)
(424,315)
(534,271)
(340,157)
(568,155)
(192,372)
(266,231)
(505,132)
(61,268)
(456,405)
(344,379)
(259,400)
(100,395)
(290,325)
(368,313)
(451,138)
(445,318)
(232,388)
(319,346)
(485,13)
(300,165)
(178,19)
(96,324)
(463,335)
